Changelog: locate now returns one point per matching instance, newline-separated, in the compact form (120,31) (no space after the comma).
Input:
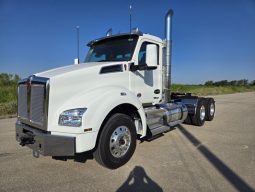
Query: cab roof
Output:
(137,34)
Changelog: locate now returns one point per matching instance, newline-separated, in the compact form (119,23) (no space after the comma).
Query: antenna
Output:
(130,18)
(109,32)
(78,43)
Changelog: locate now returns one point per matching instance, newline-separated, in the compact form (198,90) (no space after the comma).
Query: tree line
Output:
(8,79)
(241,82)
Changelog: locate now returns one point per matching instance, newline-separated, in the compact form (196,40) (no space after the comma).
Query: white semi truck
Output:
(121,93)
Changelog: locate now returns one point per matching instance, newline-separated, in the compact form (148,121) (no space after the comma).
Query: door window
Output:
(142,53)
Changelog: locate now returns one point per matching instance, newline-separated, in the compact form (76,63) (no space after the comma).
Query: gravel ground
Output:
(220,156)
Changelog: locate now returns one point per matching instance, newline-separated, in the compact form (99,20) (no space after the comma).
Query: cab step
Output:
(157,129)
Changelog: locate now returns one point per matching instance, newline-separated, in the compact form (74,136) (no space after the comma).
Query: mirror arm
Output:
(142,67)
(134,67)
(151,68)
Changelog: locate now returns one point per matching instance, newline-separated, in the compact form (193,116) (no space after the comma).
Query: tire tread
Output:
(100,153)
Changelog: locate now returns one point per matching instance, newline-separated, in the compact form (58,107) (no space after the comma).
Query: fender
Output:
(107,99)
(99,102)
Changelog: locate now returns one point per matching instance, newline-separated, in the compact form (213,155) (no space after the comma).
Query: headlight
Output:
(72,117)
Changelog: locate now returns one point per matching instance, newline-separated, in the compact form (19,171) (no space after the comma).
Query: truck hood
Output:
(83,82)
(73,68)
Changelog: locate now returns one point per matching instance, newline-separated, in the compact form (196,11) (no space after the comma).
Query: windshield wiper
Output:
(102,60)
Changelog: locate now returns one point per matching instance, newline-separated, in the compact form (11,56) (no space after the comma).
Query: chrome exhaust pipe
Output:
(168,55)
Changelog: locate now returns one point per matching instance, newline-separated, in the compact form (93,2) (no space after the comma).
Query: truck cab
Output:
(131,50)
(120,93)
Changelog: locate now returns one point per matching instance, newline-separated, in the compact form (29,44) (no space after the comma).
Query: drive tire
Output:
(104,154)
(199,118)
(210,109)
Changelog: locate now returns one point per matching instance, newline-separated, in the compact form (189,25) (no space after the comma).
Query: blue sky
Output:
(212,39)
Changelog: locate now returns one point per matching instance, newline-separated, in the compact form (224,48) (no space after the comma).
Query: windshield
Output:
(113,49)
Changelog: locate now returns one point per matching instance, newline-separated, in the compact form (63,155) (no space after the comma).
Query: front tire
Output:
(117,142)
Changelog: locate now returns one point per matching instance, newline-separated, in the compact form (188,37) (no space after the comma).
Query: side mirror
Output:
(151,55)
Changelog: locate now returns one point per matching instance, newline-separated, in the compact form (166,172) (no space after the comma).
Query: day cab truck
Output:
(121,93)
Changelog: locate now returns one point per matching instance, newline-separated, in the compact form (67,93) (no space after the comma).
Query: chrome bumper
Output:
(43,142)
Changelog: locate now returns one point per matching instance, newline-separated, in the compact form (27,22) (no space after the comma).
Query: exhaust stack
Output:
(168,55)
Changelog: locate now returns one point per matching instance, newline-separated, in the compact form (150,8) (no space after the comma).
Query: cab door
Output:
(146,83)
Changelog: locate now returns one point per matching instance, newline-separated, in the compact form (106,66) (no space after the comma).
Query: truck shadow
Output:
(237,182)
(79,157)
(138,180)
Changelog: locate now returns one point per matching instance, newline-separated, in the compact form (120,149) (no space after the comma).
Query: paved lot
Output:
(220,156)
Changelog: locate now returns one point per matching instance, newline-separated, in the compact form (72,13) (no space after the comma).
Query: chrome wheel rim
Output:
(120,141)
(202,112)
(212,109)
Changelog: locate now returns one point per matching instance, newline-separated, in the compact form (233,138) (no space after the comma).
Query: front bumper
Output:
(44,143)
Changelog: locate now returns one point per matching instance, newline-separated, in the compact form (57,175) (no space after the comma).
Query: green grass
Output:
(211,90)
(9,108)
(8,93)
(8,100)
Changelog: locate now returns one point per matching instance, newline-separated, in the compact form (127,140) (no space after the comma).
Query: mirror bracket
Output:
(144,67)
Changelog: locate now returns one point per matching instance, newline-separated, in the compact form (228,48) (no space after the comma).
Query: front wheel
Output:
(117,142)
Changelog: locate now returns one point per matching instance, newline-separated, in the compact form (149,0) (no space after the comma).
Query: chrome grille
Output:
(22,98)
(33,101)
(36,104)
